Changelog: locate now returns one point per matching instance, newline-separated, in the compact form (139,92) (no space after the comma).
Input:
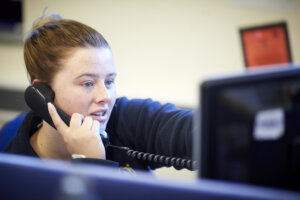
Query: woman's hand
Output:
(82,136)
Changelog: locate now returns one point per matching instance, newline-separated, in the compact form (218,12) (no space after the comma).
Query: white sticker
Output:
(269,124)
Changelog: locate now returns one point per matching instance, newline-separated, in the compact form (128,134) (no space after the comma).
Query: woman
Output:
(77,63)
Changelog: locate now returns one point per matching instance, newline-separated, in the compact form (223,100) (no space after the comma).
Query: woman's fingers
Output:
(57,121)
(76,120)
(96,127)
(87,123)
(82,137)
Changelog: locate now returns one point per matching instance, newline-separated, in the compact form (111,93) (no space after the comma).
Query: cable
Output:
(164,160)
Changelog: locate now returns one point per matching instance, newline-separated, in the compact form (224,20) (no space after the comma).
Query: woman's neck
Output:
(48,143)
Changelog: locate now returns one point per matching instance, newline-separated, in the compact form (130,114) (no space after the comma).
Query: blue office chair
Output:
(9,129)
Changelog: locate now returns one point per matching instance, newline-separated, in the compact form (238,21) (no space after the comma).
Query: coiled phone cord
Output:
(164,160)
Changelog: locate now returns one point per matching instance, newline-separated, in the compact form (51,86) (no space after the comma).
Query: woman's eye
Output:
(109,83)
(88,84)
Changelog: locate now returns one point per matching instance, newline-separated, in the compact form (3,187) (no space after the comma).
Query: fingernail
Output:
(50,105)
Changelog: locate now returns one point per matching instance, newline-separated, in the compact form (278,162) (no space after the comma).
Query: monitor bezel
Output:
(202,142)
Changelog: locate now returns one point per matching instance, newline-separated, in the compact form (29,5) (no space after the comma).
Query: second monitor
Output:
(250,128)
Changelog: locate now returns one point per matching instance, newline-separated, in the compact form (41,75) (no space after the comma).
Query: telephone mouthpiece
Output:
(104,137)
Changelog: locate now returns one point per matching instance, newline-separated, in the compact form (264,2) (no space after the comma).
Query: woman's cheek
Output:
(79,105)
(72,103)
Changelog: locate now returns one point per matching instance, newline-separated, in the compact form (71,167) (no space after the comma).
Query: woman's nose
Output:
(101,94)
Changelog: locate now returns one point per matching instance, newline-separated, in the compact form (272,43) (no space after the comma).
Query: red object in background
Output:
(265,45)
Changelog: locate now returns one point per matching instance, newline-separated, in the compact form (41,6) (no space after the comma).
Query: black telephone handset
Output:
(38,95)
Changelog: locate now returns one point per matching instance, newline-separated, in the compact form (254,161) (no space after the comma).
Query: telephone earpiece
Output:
(38,95)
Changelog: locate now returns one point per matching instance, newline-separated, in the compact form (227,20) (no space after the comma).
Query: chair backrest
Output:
(9,129)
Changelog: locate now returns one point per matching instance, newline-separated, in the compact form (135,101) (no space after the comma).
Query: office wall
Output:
(162,48)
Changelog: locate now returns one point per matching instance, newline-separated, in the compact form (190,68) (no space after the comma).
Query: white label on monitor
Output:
(269,124)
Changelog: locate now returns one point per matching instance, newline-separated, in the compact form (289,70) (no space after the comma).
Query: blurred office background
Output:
(163,49)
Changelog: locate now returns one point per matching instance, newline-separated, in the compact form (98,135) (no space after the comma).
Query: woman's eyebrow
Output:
(112,74)
(86,74)
(94,75)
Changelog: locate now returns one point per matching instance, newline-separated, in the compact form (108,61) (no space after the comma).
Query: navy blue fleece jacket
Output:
(140,124)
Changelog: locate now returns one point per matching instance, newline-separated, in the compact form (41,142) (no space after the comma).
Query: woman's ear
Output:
(36,81)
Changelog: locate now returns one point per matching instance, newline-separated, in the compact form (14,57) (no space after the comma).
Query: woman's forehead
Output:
(89,61)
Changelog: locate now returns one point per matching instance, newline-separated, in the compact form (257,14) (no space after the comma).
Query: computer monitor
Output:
(33,178)
(250,128)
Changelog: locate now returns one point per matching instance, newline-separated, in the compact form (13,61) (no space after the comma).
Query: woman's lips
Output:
(100,116)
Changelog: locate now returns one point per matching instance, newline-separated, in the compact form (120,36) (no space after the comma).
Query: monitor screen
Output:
(250,128)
